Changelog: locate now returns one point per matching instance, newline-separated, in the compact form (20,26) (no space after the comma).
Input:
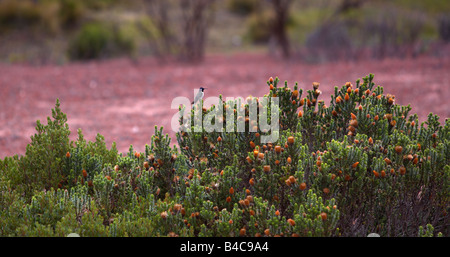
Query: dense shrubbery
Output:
(359,165)
(97,40)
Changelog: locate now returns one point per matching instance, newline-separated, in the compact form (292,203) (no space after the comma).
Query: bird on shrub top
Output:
(199,95)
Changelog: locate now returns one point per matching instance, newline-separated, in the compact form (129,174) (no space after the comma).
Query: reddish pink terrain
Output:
(123,100)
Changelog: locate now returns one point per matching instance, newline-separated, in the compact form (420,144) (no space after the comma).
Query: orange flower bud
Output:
(290,140)
(291,222)
(402,170)
(278,149)
(231,190)
(347,97)
(303,186)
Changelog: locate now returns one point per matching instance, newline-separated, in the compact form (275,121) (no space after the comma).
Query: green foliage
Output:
(359,165)
(98,40)
(243,7)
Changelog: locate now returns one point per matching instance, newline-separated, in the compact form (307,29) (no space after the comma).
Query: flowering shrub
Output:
(359,165)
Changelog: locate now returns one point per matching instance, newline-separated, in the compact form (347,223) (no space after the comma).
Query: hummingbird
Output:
(199,95)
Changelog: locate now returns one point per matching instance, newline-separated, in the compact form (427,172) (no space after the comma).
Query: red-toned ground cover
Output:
(124,100)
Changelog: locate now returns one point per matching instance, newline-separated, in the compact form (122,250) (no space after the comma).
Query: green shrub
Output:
(91,42)
(18,13)
(259,26)
(357,166)
(243,7)
(97,40)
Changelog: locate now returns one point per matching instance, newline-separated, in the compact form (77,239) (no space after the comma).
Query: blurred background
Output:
(115,64)
(59,31)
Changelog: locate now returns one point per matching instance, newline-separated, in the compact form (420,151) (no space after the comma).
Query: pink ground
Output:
(124,101)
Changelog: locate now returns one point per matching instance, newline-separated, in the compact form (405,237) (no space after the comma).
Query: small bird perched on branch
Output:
(199,95)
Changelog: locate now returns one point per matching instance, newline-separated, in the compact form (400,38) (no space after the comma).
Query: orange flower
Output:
(355,165)
(353,116)
(231,190)
(291,222)
(290,140)
(370,140)
(292,179)
(164,215)
(137,155)
(267,232)
(347,97)
(376,173)
(242,232)
(383,173)
(252,182)
(303,186)
(323,215)
(402,170)
(295,93)
(326,190)
(68,155)
(334,113)
(277,213)
(228,199)
(108,178)
(252,212)
(278,149)
(398,149)
(219,139)
(270,80)
(84,173)
(230,222)
(300,113)
(266,168)
(354,123)
(252,145)
(387,161)
(289,160)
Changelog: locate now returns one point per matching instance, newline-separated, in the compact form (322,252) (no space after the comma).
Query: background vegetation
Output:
(58,31)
